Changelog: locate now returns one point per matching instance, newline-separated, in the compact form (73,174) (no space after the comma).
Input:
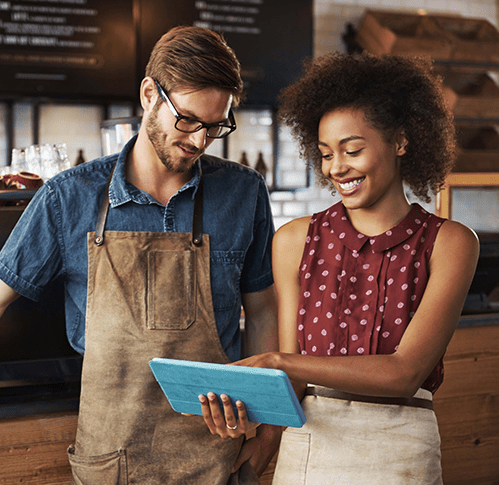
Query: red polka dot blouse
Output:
(359,293)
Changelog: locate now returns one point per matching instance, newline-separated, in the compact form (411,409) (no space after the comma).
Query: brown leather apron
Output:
(149,295)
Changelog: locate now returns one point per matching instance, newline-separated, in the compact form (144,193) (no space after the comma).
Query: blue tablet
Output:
(267,394)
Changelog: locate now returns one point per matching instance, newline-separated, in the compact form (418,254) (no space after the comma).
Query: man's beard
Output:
(157,140)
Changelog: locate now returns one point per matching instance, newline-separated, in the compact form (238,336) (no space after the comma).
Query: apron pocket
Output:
(171,292)
(293,458)
(109,469)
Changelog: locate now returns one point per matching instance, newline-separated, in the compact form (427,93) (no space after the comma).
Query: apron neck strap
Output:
(197,218)
(104,208)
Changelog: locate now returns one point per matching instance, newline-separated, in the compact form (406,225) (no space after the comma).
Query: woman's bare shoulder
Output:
(293,232)
(289,241)
(456,246)
(457,237)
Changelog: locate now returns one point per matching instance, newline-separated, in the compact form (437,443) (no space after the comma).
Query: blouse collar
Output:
(354,240)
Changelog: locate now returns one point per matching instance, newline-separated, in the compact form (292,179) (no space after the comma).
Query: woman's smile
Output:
(351,184)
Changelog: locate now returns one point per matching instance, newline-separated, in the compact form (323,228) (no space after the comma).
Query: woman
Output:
(369,291)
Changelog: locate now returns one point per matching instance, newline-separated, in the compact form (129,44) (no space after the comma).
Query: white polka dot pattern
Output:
(359,293)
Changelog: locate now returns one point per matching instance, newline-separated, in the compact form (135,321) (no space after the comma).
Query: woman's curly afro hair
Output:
(395,93)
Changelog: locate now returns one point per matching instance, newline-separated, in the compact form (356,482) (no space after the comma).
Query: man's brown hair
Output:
(195,58)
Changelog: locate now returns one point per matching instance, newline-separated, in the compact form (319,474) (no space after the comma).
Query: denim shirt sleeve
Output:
(32,255)
(257,270)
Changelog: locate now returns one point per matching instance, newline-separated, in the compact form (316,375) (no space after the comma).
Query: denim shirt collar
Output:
(121,191)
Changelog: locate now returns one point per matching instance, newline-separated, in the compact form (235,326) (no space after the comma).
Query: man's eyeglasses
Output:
(188,125)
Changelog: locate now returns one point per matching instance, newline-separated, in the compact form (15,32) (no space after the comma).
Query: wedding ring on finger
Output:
(231,427)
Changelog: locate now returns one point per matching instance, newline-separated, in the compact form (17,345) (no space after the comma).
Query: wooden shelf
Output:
(451,39)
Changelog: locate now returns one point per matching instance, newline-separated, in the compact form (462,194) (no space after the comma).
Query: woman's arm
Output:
(260,322)
(452,266)
(287,251)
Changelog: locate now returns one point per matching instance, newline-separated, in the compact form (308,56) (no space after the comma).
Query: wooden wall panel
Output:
(33,448)
(467,408)
(38,429)
(39,463)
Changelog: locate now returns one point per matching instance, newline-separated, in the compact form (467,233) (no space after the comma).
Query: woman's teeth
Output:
(352,184)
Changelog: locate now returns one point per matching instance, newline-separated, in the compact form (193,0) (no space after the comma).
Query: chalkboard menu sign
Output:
(68,47)
(99,48)
(270,37)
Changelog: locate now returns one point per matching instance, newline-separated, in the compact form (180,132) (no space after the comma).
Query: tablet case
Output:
(266,393)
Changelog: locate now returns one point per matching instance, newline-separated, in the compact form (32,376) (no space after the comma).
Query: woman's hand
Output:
(225,423)
(221,420)
(268,360)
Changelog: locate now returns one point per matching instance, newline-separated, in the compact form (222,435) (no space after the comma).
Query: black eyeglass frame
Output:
(232,126)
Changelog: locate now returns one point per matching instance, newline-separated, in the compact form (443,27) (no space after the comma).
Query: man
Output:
(158,247)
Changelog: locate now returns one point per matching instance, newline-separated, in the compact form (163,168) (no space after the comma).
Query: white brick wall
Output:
(330,19)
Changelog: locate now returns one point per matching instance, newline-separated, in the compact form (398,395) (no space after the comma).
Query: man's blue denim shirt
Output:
(50,240)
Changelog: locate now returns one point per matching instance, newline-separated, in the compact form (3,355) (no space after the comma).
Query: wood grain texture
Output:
(467,408)
(33,448)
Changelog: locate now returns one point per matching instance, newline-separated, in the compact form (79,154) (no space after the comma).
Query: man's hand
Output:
(260,450)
